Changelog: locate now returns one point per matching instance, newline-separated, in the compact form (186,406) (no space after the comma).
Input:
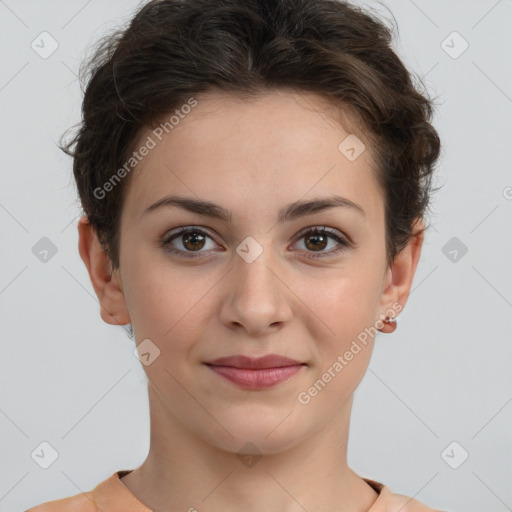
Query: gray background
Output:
(71,380)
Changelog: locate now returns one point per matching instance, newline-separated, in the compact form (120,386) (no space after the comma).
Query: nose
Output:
(258,297)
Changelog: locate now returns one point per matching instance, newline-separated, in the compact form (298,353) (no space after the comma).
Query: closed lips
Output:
(268,361)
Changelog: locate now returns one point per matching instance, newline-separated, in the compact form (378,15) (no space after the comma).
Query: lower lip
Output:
(256,379)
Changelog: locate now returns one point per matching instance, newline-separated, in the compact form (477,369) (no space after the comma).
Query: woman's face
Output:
(255,283)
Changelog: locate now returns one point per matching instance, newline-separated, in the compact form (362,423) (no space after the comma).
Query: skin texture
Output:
(252,158)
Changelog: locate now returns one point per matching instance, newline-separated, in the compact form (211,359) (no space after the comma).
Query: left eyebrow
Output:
(291,212)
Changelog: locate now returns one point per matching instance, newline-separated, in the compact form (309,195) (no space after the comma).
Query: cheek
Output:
(346,301)
(167,305)
(349,310)
(168,310)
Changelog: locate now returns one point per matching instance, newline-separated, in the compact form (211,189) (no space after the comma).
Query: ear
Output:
(107,284)
(399,276)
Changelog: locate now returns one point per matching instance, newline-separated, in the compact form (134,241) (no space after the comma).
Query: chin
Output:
(255,438)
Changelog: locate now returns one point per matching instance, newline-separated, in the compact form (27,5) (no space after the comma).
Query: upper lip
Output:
(268,361)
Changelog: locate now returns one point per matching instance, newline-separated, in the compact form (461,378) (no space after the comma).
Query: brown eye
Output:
(192,240)
(317,239)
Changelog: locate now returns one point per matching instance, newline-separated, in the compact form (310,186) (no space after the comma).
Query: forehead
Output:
(277,147)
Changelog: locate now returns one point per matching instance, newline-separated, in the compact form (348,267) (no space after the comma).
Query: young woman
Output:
(254,176)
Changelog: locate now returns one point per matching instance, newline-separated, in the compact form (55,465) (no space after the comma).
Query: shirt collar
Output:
(113,496)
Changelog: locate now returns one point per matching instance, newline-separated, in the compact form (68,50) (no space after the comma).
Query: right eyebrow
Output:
(291,212)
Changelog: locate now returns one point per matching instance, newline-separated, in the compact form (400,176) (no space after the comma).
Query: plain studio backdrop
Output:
(440,386)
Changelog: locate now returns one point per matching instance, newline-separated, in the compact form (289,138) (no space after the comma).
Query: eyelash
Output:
(331,233)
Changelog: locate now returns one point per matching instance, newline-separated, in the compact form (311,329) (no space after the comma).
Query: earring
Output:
(389,325)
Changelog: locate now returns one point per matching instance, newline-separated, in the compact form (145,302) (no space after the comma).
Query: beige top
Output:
(112,495)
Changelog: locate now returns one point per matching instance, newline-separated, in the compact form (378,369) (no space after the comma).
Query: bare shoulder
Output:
(78,503)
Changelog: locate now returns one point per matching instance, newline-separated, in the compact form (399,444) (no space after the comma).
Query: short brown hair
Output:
(173,49)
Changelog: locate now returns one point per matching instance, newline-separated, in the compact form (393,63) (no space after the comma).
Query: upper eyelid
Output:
(184,229)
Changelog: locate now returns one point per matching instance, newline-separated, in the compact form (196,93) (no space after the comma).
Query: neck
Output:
(185,472)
